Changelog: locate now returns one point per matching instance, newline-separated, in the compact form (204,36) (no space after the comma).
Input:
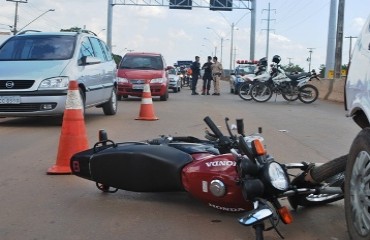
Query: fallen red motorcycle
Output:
(231,173)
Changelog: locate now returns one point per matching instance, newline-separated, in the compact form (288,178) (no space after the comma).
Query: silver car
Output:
(175,80)
(36,67)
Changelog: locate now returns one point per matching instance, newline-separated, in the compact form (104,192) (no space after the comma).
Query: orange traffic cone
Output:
(146,108)
(73,137)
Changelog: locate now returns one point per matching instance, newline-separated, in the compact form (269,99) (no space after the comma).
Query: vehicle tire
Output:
(308,93)
(83,100)
(175,90)
(330,174)
(179,89)
(261,92)
(357,187)
(110,107)
(292,96)
(164,97)
(244,91)
(231,90)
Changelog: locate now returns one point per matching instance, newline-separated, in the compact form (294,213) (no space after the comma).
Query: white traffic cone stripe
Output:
(146,88)
(146,101)
(73,100)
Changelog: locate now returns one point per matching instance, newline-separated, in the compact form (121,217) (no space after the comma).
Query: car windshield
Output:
(247,69)
(142,62)
(172,71)
(20,48)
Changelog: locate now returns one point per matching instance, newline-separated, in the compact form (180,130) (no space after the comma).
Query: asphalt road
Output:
(37,206)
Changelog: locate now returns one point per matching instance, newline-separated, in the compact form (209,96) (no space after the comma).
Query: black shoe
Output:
(203,93)
(216,94)
(208,93)
(195,93)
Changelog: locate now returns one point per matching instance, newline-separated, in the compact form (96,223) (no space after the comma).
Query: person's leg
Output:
(194,82)
(209,80)
(204,86)
(217,85)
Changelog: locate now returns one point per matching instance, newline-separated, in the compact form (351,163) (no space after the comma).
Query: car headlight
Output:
(122,80)
(240,80)
(158,80)
(276,177)
(54,83)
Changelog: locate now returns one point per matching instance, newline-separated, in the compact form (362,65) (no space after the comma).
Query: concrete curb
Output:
(330,89)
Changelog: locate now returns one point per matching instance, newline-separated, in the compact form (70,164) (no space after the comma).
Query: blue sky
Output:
(182,34)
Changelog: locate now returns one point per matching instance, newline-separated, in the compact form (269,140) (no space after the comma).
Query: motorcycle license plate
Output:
(10,99)
(137,86)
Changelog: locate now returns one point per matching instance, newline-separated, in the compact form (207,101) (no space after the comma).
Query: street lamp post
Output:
(222,42)
(212,44)
(50,10)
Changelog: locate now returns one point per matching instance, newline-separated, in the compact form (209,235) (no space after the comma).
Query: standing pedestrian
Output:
(217,71)
(195,68)
(207,76)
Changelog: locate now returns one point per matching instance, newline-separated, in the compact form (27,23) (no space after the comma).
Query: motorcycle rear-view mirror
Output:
(240,126)
(255,216)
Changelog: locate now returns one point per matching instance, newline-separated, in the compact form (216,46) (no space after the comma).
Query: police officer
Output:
(195,68)
(207,76)
(217,71)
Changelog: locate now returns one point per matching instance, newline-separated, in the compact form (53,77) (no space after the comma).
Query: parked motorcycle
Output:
(260,75)
(291,87)
(230,173)
(245,88)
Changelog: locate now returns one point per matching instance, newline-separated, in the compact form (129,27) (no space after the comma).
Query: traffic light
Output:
(181,4)
(221,5)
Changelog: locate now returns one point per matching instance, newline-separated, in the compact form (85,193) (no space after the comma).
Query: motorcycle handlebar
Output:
(213,127)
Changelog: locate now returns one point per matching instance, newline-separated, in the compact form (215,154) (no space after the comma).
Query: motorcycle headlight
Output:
(122,80)
(276,176)
(158,80)
(54,83)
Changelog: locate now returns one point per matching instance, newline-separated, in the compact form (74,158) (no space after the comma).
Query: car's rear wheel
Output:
(110,107)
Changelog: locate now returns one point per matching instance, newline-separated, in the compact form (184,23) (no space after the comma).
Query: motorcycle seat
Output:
(140,168)
(297,77)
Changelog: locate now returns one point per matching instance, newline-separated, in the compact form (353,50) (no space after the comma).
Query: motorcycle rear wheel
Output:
(260,92)
(244,91)
(308,93)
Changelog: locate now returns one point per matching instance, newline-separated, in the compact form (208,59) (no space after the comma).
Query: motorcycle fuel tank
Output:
(214,180)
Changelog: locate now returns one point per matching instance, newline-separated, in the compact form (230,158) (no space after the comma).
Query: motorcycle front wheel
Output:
(357,187)
(308,93)
(292,95)
(330,174)
(244,91)
(260,92)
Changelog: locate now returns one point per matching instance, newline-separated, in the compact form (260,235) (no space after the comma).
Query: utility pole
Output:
(309,59)
(290,63)
(268,29)
(330,47)
(16,14)
(253,29)
(350,48)
(339,42)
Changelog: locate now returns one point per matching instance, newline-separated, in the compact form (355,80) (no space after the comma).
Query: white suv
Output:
(36,67)
(357,102)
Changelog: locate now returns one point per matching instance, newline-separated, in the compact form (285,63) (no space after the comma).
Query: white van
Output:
(36,67)
(357,102)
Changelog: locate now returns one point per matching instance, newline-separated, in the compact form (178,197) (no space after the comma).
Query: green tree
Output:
(292,68)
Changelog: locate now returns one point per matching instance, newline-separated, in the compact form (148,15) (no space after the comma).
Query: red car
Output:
(137,68)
